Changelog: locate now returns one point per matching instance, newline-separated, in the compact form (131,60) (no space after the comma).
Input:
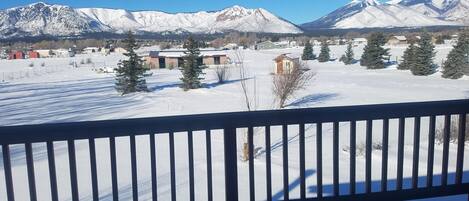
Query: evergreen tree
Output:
(374,54)
(348,57)
(324,55)
(408,59)
(424,56)
(457,61)
(192,68)
(308,53)
(129,73)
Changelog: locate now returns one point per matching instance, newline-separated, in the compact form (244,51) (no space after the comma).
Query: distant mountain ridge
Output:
(58,20)
(395,13)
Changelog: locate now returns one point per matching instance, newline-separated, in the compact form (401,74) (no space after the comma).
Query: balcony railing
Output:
(230,122)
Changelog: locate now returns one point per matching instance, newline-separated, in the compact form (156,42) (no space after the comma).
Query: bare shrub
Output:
(89,61)
(31,64)
(453,132)
(286,85)
(360,148)
(82,61)
(223,73)
(43,64)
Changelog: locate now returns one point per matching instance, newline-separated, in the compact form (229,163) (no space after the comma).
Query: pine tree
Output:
(129,73)
(192,69)
(408,59)
(457,61)
(424,56)
(324,56)
(308,53)
(348,57)
(374,54)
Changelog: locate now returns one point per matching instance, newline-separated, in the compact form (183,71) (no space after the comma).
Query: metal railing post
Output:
(231,165)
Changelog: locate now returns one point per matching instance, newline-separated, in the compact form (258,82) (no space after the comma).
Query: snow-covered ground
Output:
(81,94)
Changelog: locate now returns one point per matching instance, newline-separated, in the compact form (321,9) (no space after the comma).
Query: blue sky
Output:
(296,11)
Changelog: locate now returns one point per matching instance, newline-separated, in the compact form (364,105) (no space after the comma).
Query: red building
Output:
(17,55)
(33,54)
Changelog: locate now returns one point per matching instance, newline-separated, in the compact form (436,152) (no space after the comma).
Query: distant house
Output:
(231,46)
(360,41)
(120,50)
(266,45)
(175,58)
(63,53)
(33,55)
(285,63)
(44,53)
(16,55)
(90,50)
(397,40)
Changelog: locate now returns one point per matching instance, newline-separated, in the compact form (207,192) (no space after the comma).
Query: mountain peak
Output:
(365,3)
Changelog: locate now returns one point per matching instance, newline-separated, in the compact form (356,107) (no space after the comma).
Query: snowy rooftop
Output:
(181,53)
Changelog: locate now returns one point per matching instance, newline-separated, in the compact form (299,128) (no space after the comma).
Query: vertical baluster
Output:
(461,140)
(73,169)
(172,166)
(252,191)
(415,166)
(335,156)
(285,162)
(400,153)
(444,168)
(133,164)
(319,158)
(231,164)
(52,171)
(431,148)
(353,142)
(208,140)
(154,176)
(190,148)
(268,164)
(369,137)
(7,170)
(384,164)
(30,167)
(94,172)
(302,162)
(115,187)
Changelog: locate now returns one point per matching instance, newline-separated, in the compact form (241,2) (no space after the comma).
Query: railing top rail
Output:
(125,127)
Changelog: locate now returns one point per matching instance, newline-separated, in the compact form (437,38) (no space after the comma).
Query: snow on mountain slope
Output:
(234,18)
(42,19)
(394,13)
(388,16)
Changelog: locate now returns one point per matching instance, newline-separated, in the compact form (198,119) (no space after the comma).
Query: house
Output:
(16,55)
(285,63)
(230,46)
(359,41)
(90,50)
(44,53)
(33,55)
(63,53)
(266,45)
(397,40)
(120,50)
(175,58)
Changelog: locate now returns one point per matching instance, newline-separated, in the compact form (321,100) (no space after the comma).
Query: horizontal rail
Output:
(140,126)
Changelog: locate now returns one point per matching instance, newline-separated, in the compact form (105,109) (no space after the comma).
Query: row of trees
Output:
(418,57)
(130,73)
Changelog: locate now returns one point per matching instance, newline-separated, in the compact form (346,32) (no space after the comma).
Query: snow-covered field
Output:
(80,94)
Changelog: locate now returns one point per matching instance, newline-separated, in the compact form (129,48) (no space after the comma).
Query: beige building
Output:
(397,40)
(286,63)
(175,58)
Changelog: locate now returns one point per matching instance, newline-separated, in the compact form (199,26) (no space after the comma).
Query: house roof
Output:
(181,53)
(401,38)
(288,56)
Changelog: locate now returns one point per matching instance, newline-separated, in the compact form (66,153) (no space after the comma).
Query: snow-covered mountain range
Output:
(57,20)
(395,13)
